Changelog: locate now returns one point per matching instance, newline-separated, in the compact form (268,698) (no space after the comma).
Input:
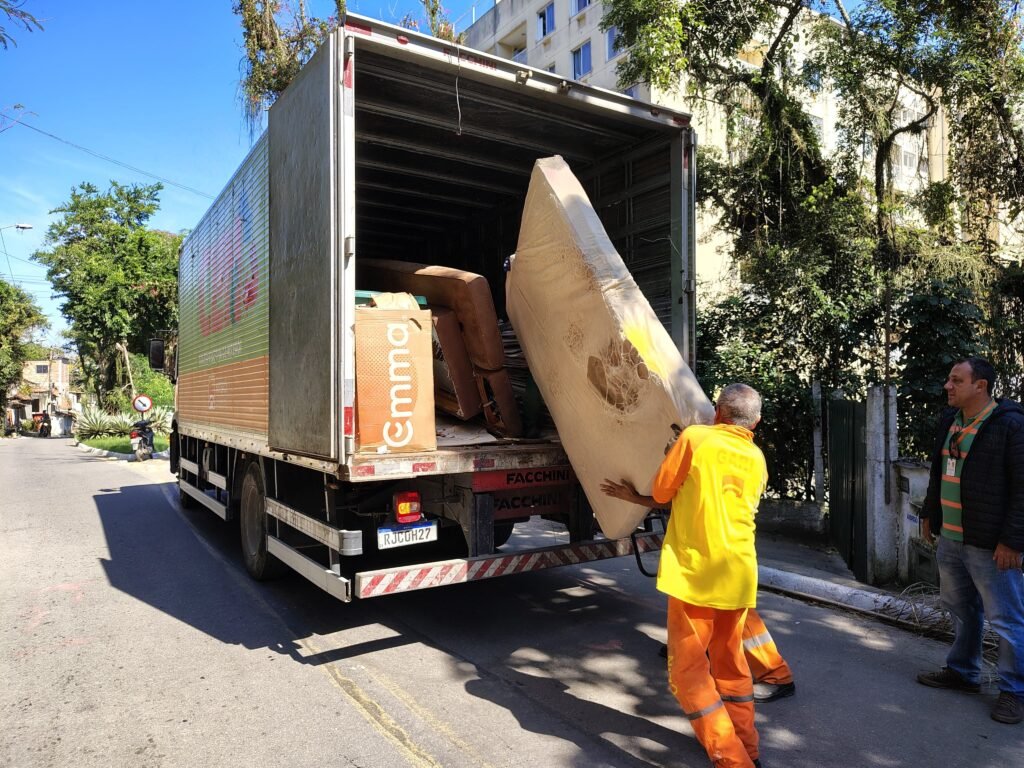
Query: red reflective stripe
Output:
(361,28)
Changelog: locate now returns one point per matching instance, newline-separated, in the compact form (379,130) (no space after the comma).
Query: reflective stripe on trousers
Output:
(765,662)
(711,680)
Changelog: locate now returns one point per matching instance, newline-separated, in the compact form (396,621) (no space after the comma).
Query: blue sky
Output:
(151,85)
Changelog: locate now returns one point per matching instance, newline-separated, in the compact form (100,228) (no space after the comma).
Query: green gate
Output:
(847,465)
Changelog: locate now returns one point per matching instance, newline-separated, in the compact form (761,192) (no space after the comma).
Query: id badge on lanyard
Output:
(951,467)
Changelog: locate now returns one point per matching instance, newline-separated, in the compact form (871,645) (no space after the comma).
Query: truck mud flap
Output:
(389,581)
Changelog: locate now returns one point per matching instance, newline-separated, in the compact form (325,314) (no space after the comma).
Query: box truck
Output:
(393,146)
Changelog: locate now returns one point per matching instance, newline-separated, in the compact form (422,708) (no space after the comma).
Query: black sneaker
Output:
(1008,709)
(765,692)
(947,678)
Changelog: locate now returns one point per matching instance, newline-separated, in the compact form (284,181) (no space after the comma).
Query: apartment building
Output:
(564,37)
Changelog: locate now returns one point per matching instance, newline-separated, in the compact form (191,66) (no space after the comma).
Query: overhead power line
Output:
(101,156)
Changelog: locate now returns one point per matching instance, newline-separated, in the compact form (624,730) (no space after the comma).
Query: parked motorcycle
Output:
(142,439)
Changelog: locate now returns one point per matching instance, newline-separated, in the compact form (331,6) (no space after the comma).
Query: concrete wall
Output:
(915,557)
(880,486)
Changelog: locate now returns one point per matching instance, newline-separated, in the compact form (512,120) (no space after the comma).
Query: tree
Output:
(960,57)
(14,13)
(437,22)
(118,279)
(19,317)
(274,53)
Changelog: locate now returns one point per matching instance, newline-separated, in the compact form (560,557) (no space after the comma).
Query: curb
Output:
(114,455)
(880,605)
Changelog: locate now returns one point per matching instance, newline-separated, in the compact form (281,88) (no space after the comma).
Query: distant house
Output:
(45,387)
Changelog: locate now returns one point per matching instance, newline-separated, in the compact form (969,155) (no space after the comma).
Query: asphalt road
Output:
(130,635)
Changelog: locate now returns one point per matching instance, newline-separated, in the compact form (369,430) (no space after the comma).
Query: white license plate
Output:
(135,443)
(404,535)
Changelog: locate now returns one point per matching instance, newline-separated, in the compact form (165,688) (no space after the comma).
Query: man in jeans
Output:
(976,501)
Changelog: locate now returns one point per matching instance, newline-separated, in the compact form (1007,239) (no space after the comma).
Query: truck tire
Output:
(260,564)
(502,533)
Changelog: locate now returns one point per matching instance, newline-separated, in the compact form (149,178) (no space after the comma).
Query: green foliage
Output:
(700,38)
(942,324)
(118,279)
(150,382)
(19,316)
(437,22)
(275,52)
(27,425)
(122,444)
(161,418)
(1006,330)
(92,422)
(21,18)
(731,349)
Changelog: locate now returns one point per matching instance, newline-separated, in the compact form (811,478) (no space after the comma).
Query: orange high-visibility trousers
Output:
(765,661)
(711,680)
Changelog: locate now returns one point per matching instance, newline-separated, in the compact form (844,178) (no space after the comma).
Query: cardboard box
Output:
(455,391)
(394,381)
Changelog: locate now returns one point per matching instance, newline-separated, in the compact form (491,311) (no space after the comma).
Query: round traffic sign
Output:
(142,403)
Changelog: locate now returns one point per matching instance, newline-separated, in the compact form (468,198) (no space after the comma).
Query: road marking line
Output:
(373,713)
(365,704)
(428,716)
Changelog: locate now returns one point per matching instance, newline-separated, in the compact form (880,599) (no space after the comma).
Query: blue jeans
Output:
(971,586)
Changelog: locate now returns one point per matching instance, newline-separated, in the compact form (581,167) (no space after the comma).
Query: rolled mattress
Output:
(609,372)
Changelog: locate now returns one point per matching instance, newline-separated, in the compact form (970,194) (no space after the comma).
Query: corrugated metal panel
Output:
(222,283)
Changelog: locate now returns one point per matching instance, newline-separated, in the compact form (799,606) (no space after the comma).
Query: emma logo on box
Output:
(398,430)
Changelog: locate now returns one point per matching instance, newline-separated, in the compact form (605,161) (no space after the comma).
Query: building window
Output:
(910,163)
(610,36)
(579,5)
(581,61)
(631,92)
(42,369)
(546,21)
(551,68)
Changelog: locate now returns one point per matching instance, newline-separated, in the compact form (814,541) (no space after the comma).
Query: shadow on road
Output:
(154,557)
(571,653)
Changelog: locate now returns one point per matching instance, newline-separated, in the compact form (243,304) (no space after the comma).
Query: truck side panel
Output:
(223,271)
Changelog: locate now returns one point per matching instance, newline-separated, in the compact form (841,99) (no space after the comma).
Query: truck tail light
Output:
(407,506)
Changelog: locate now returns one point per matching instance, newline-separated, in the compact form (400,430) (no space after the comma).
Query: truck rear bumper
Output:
(389,581)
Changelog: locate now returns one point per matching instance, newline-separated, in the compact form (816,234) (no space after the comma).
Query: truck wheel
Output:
(502,533)
(260,564)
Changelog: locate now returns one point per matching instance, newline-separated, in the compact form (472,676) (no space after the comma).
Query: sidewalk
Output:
(819,573)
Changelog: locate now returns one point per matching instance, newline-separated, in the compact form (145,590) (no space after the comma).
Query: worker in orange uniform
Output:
(773,679)
(714,477)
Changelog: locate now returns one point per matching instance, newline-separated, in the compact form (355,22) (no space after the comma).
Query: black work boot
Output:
(947,678)
(1008,709)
